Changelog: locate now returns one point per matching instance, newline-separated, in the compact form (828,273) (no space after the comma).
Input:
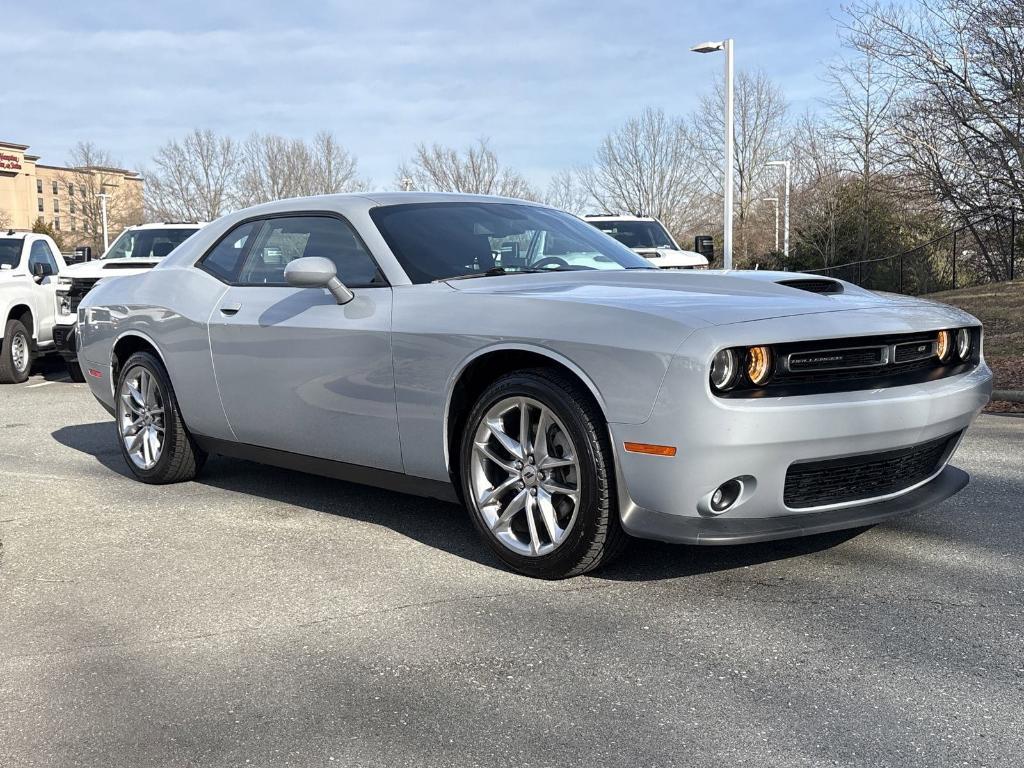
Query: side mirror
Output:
(41,270)
(317,272)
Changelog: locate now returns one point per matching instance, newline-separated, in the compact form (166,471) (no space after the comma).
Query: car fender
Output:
(139,335)
(10,297)
(537,349)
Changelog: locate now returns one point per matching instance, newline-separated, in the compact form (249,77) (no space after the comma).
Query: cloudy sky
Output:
(544,79)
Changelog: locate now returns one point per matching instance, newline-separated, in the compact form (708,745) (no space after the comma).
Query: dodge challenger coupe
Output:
(513,357)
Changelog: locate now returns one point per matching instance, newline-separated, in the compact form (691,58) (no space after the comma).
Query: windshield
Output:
(637,234)
(10,252)
(436,241)
(148,243)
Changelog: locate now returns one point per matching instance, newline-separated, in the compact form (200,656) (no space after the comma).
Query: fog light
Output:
(963,343)
(725,496)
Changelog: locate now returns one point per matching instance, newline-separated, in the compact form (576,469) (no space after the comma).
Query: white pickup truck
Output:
(649,238)
(29,268)
(136,250)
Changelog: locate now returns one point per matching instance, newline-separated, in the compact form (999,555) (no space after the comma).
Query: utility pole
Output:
(725,46)
(788,167)
(103,208)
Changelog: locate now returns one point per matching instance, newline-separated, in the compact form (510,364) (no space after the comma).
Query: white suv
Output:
(29,266)
(136,250)
(649,238)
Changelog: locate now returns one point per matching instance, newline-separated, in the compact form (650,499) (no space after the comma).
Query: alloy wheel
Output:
(141,417)
(525,476)
(19,353)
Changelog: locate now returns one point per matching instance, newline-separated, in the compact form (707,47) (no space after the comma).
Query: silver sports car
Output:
(515,358)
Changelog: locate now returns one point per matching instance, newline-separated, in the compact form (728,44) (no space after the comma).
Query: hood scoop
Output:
(814,285)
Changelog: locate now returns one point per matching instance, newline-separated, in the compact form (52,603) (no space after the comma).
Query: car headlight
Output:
(724,370)
(759,365)
(963,343)
(944,345)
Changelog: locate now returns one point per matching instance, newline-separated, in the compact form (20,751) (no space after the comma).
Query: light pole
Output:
(787,165)
(776,201)
(726,47)
(103,209)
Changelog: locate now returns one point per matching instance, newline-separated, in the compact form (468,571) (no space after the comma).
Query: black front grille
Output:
(866,476)
(835,359)
(849,364)
(77,291)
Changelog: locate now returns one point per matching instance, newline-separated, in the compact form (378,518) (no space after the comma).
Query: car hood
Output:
(99,269)
(713,297)
(669,256)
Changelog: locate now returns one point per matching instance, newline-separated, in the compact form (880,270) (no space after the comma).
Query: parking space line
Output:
(40,384)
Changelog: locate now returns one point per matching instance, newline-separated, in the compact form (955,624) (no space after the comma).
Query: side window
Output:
(287,238)
(41,254)
(225,259)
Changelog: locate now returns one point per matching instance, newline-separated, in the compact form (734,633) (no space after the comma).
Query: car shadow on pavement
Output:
(50,368)
(439,524)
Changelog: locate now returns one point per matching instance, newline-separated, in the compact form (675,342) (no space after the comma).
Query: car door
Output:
(44,289)
(297,371)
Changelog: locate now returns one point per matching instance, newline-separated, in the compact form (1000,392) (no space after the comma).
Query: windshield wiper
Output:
(492,272)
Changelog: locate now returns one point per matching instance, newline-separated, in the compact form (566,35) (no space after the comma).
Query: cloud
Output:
(545,80)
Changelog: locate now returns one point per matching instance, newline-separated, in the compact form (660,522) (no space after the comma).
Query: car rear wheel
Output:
(154,441)
(16,355)
(538,478)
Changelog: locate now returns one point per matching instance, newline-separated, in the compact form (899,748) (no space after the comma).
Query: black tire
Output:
(9,372)
(74,371)
(596,537)
(180,458)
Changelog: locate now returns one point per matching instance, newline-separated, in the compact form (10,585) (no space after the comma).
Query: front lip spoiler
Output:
(646,524)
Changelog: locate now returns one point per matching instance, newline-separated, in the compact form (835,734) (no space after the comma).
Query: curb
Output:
(1008,395)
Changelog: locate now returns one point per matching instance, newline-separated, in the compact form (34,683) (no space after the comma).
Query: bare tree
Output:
(273,167)
(92,171)
(960,69)
(646,166)
(567,193)
(760,127)
(863,103)
(817,199)
(476,170)
(195,179)
(333,168)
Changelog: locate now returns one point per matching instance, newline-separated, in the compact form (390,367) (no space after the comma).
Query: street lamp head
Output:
(708,47)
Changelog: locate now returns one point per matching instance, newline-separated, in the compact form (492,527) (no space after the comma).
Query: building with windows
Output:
(67,199)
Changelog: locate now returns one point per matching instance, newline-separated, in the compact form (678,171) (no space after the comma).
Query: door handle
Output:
(231,308)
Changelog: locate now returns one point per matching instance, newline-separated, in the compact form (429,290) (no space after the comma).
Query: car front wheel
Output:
(538,478)
(153,438)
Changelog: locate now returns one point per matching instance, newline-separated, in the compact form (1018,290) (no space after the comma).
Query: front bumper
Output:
(756,440)
(646,524)
(65,339)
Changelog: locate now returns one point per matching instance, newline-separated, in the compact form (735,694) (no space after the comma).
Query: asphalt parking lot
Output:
(262,617)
